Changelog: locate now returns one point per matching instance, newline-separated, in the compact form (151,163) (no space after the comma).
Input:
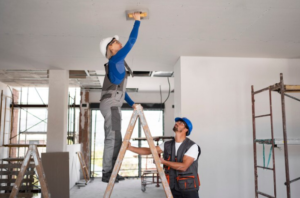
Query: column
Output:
(57,110)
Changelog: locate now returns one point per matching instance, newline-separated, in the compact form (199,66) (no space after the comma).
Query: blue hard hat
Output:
(188,123)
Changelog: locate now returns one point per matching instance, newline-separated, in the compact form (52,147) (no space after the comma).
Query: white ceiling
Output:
(42,34)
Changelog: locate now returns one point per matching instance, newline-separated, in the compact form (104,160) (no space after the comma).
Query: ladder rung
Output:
(264,194)
(265,141)
(264,167)
(261,90)
(262,116)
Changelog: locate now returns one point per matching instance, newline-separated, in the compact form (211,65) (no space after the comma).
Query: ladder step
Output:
(264,194)
(264,167)
(262,115)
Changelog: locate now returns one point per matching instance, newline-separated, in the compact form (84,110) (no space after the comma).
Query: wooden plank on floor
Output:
(14,180)
(23,145)
(20,188)
(16,172)
(23,195)
(15,165)
(21,159)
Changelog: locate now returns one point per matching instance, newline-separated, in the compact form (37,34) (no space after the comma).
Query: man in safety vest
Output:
(180,160)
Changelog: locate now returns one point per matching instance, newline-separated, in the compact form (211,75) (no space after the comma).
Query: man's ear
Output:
(186,130)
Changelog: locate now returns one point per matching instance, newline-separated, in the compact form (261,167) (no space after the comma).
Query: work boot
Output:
(106,177)
(120,178)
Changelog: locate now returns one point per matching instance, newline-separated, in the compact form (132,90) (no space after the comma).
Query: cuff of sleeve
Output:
(137,23)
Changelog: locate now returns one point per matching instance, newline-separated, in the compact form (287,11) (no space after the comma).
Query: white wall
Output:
(149,97)
(74,164)
(177,92)
(216,96)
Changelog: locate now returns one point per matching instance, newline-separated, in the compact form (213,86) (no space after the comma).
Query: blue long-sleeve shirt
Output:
(116,67)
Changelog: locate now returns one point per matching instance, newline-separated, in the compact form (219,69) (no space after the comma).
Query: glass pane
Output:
(33,120)
(73,116)
(130,163)
(97,143)
(34,95)
(155,122)
(74,93)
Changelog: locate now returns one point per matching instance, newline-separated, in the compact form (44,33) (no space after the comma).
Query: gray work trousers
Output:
(111,110)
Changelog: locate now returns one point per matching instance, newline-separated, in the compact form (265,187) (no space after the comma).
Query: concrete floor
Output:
(130,188)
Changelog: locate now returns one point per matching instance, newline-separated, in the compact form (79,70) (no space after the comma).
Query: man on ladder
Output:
(180,160)
(113,94)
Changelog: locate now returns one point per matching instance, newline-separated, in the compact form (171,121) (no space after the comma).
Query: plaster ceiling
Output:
(42,34)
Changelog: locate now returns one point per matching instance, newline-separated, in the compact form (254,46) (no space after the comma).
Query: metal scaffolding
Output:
(282,90)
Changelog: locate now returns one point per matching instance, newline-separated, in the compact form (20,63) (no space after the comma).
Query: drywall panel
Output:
(56,168)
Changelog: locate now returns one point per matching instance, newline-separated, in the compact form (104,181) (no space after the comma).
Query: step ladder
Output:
(84,169)
(138,112)
(267,141)
(32,152)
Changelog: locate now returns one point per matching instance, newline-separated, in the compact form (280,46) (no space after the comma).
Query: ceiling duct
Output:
(141,73)
(77,74)
(162,74)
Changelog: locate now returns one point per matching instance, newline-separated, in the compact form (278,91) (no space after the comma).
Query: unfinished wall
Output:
(14,134)
(84,127)
(3,150)
(215,95)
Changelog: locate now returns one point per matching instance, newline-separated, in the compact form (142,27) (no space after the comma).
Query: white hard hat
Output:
(104,43)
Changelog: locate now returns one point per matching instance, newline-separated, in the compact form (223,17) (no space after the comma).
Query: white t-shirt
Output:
(192,152)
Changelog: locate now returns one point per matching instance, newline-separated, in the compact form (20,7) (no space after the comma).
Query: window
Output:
(33,117)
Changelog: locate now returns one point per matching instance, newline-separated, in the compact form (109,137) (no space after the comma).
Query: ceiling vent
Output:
(162,74)
(142,73)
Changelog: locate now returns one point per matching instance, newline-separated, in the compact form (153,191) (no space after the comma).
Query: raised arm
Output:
(122,53)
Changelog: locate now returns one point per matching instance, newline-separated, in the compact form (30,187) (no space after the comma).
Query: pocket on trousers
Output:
(105,96)
(115,119)
(186,183)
